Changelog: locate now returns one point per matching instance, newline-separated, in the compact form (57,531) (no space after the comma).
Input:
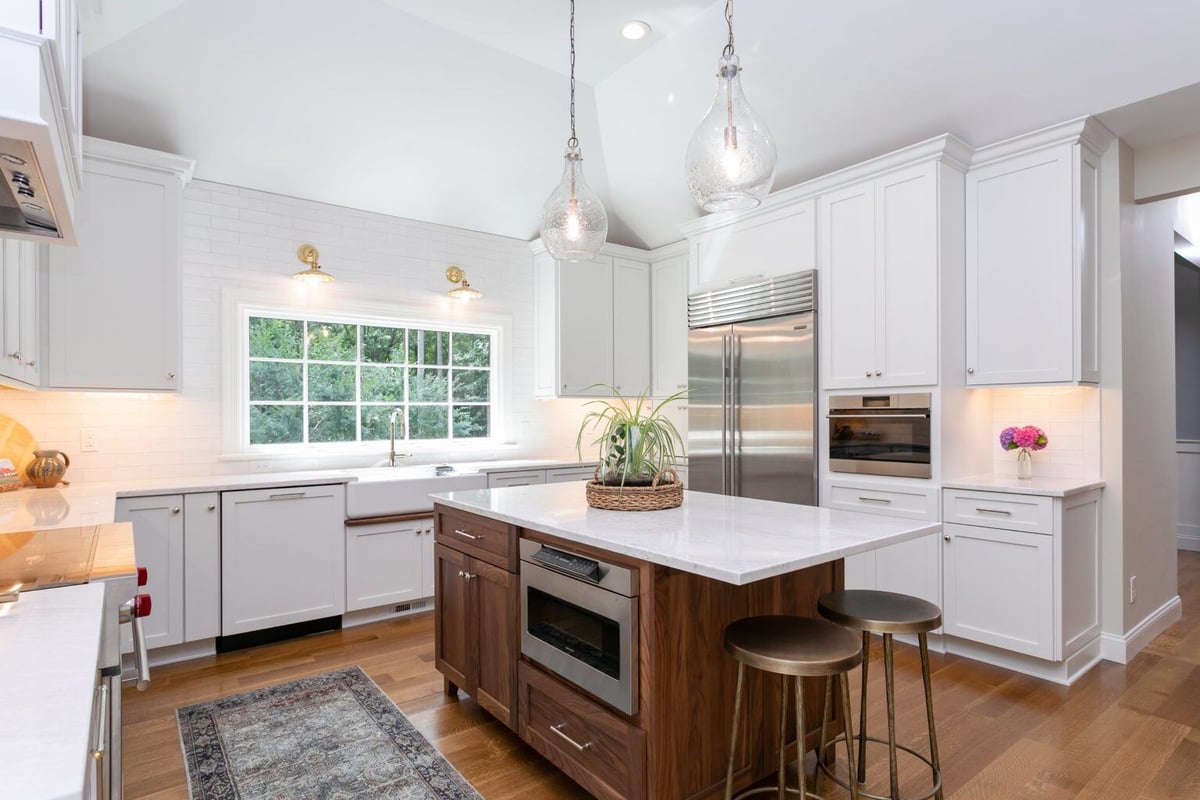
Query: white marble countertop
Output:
(730,539)
(50,640)
(1046,487)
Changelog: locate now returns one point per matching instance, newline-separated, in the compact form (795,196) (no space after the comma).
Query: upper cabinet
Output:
(114,301)
(669,329)
(880,276)
(20,364)
(1032,305)
(779,241)
(40,118)
(592,326)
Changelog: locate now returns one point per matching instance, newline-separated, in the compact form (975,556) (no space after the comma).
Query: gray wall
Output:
(1187,350)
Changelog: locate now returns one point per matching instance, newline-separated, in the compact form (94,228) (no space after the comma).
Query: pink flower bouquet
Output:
(1027,437)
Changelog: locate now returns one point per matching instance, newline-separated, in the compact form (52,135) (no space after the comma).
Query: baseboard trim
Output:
(1122,649)
(1063,672)
(1188,537)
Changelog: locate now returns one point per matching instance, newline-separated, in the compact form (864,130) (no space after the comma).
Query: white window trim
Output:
(238,305)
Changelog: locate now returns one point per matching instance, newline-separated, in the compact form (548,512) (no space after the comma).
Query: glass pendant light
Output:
(574,223)
(731,157)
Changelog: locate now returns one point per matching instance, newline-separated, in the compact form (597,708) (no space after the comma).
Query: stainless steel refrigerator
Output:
(752,373)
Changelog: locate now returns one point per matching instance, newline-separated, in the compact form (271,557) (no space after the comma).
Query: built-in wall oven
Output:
(579,620)
(881,434)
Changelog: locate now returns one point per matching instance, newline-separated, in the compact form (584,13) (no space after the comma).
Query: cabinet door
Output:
(282,557)
(384,564)
(545,317)
(114,301)
(31,257)
(631,326)
(906,288)
(766,245)
(860,570)
(668,337)
(158,546)
(585,327)
(494,608)
(848,277)
(1020,275)
(201,566)
(12,360)
(999,588)
(453,651)
(428,562)
(913,568)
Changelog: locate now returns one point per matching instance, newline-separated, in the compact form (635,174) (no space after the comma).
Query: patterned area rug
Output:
(334,736)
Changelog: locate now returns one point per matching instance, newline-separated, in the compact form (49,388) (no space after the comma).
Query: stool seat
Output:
(880,612)
(793,645)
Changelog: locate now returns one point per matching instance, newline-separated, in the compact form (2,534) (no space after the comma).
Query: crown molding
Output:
(1088,131)
(679,248)
(946,148)
(141,157)
(610,249)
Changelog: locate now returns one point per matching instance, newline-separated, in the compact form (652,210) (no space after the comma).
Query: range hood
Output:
(25,204)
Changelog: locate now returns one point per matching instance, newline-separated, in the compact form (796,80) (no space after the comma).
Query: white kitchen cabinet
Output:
(283,556)
(388,563)
(114,301)
(201,566)
(880,278)
(1032,305)
(20,362)
(669,326)
(1023,578)
(765,244)
(158,533)
(592,326)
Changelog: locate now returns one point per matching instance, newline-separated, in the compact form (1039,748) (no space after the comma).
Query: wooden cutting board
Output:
(16,443)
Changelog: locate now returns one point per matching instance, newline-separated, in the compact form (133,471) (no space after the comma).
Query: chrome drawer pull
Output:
(286,496)
(886,500)
(993,511)
(558,729)
(100,737)
(461,532)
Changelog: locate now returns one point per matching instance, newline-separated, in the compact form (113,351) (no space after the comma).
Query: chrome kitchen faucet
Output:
(397,414)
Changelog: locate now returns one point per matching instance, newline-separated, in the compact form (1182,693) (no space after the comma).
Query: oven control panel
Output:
(586,568)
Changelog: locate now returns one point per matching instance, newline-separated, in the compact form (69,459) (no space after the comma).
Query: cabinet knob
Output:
(868,373)
(468,575)
(15,356)
(170,376)
(970,370)
(212,506)
(877,373)
(946,537)
(175,510)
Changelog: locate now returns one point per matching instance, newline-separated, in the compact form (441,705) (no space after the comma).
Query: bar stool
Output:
(885,613)
(796,647)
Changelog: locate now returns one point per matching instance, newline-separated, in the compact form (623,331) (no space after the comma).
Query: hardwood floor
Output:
(1120,732)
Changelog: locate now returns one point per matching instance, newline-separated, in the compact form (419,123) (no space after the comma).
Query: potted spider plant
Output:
(639,447)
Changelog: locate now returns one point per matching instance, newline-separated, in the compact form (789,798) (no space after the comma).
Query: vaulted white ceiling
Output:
(455,111)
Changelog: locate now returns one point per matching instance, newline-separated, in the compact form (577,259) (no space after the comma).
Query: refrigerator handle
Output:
(735,399)
(726,380)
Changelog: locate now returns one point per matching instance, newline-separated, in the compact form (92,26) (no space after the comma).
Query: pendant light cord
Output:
(573,142)
(728,52)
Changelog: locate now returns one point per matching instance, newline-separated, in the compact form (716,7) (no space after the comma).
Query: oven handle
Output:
(878,416)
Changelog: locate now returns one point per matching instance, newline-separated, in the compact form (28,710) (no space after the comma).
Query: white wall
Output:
(244,239)
(1168,169)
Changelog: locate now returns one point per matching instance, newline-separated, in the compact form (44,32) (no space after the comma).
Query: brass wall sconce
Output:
(464,291)
(314,274)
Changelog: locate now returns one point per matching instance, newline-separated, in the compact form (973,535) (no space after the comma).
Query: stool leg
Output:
(800,740)
(824,735)
(737,710)
(933,751)
(844,681)
(783,700)
(862,712)
(889,685)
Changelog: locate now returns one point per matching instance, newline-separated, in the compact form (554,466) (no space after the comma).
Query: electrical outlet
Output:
(1132,589)
(262,466)
(88,441)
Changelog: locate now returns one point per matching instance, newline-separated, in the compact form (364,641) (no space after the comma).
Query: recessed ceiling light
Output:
(635,29)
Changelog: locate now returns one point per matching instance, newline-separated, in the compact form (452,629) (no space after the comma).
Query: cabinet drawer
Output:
(1013,512)
(483,538)
(567,474)
(600,751)
(498,480)
(895,502)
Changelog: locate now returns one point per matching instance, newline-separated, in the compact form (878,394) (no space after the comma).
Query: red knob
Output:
(141,605)
(143,576)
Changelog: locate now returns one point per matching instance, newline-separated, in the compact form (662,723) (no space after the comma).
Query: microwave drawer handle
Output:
(558,729)
(464,534)
(877,416)
(1002,511)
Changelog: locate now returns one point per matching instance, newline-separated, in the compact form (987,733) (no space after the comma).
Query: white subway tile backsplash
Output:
(1069,416)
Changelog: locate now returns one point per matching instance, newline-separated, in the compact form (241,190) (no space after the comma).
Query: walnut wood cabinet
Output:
(476,595)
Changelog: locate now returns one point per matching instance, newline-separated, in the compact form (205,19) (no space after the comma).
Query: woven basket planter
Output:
(665,492)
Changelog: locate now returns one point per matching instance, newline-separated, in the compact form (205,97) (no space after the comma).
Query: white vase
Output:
(1024,464)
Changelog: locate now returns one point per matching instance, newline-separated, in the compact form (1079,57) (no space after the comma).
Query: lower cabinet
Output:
(476,596)
(602,752)
(158,541)
(388,562)
(569,474)
(282,557)
(529,477)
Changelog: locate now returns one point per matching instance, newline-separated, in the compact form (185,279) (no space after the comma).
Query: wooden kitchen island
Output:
(693,570)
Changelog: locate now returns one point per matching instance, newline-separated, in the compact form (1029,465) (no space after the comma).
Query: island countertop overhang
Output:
(736,540)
